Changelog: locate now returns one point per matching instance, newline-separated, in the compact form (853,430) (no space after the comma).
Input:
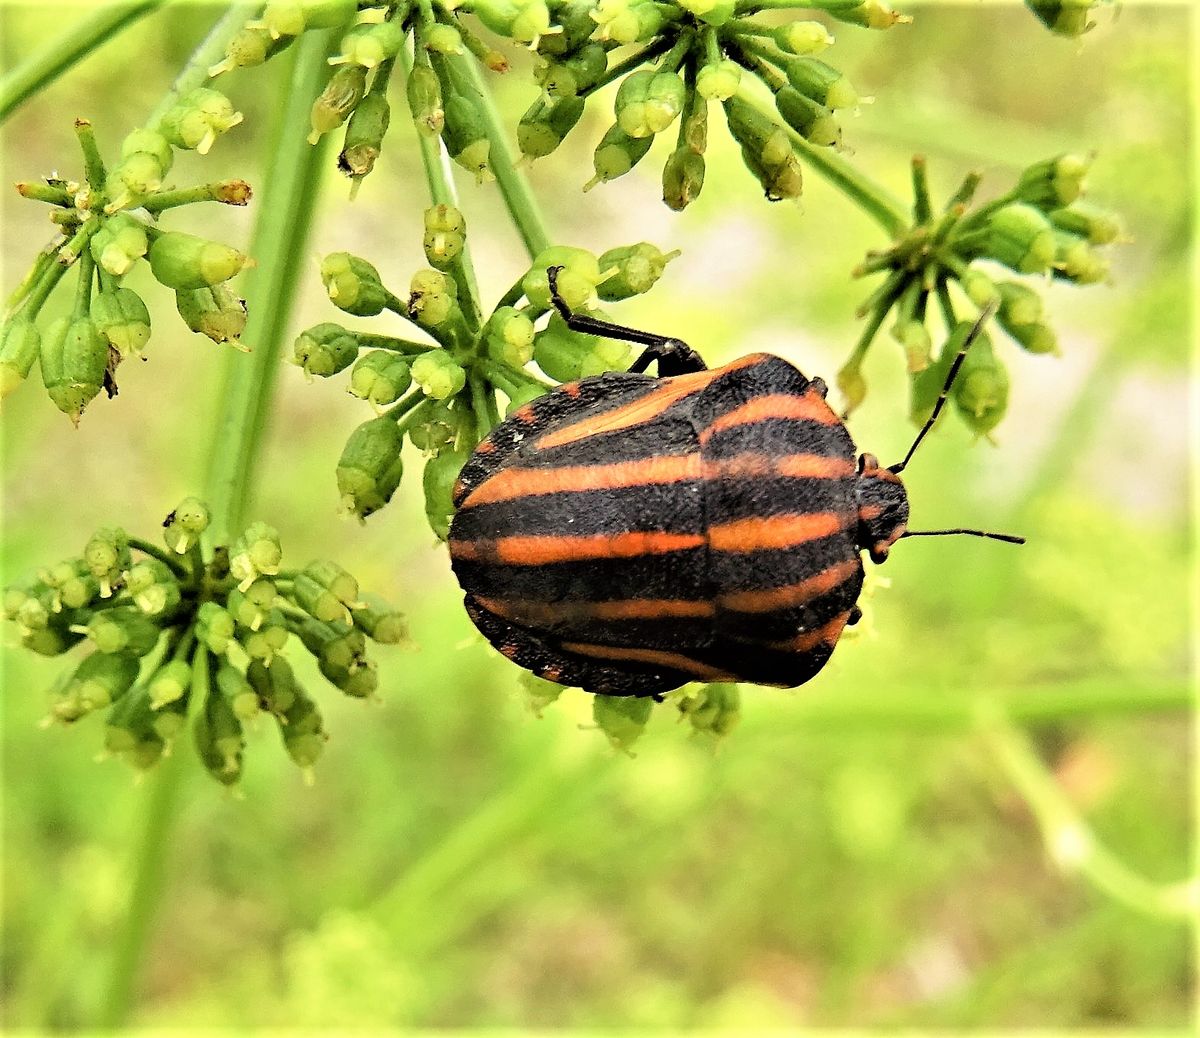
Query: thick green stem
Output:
(518,195)
(45,65)
(284,217)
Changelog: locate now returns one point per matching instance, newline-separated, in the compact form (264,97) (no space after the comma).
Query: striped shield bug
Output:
(628,534)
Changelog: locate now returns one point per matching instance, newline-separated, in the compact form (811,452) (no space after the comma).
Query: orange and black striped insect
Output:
(629,534)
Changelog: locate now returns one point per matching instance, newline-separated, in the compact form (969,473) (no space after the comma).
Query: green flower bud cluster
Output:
(443,394)
(691,52)
(963,261)
(280,22)
(176,638)
(104,242)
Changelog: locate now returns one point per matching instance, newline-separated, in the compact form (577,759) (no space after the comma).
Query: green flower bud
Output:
(803,38)
(823,83)
(74,359)
(576,71)
(275,685)
(129,730)
(198,118)
(107,555)
(292,17)
(566,355)
(1019,305)
(851,385)
(77,587)
(155,590)
(981,390)
(325,349)
(720,81)
(438,427)
(1064,17)
(149,142)
(340,97)
(335,579)
(119,243)
(353,285)
(711,12)
(257,552)
(214,628)
(444,39)
(122,630)
(181,260)
(98,681)
(20,343)
(616,154)
(445,235)
(170,683)
(466,137)
(522,395)
(523,21)
(433,298)
(379,620)
(166,723)
(269,640)
(360,682)
(714,710)
(122,318)
(318,601)
(544,125)
(1077,261)
(367,45)
(621,718)
(510,337)
(1035,338)
(380,377)
(132,180)
(337,644)
(253,45)
(627,21)
(913,336)
(369,469)
(219,739)
(577,280)
(364,135)
(638,269)
(766,150)
(539,693)
(980,288)
(648,102)
(814,122)
(1021,238)
(441,473)
(302,730)
(683,177)
(871,14)
(232,684)
(424,92)
(1053,183)
(438,375)
(1087,221)
(217,312)
(250,608)
(183,527)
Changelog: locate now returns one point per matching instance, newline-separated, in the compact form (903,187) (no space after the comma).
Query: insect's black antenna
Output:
(1009,537)
(951,375)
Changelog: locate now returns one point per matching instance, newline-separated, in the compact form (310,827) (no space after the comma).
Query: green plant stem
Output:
(878,203)
(210,51)
(279,237)
(284,217)
(49,62)
(44,193)
(173,562)
(518,196)
(228,192)
(1069,839)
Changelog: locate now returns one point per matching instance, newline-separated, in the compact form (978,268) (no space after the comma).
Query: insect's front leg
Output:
(674,356)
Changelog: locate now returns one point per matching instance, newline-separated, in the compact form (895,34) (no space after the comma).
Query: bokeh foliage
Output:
(853,855)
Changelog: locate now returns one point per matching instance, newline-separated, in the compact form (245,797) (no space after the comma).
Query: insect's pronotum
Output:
(629,534)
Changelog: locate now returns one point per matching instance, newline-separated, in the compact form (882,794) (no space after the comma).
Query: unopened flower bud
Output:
(445,235)
(132,180)
(107,555)
(379,620)
(510,337)
(181,260)
(325,349)
(369,469)
(803,38)
(123,630)
(648,102)
(766,150)
(719,82)
(567,355)
(1021,238)
(424,92)
(380,377)
(99,680)
(914,338)
(119,243)
(251,46)
(441,473)
(122,318)
(250,608)
(353,285)
(364,135)
(1035,338)
(292,17)
(367,45)
(852,386)
(183,527)
(1019,305)
(302,729)
(198,118)
(437,428)
(627,21)
(545,125)
(871,14)
(232,684)
(154,588)
(257,552)
(1053,183)
(578,70)
(711,12)
(433,298)
(1077,261)
(170,683)
(814,122)
(1065,17)
(465,135)
(638,269)
(621,718)
(981,389)
(219,739)
(214,627)
(823,83)
(74,359)
(683,177)
(980,288)
(577,280)
(1096,225)
(616,154)
(714,710)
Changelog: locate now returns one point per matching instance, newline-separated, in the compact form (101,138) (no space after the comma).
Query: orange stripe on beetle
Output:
(789,596)
(527,611)
(807,406)
(536,551)
(825,635)
(759,533)
(764,466)
(655,657)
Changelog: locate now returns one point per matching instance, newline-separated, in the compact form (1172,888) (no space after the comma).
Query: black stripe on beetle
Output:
(629,534)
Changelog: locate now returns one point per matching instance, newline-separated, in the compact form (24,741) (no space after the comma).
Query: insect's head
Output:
(882,507)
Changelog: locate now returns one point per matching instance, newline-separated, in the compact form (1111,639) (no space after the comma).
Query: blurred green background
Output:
(854,854)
